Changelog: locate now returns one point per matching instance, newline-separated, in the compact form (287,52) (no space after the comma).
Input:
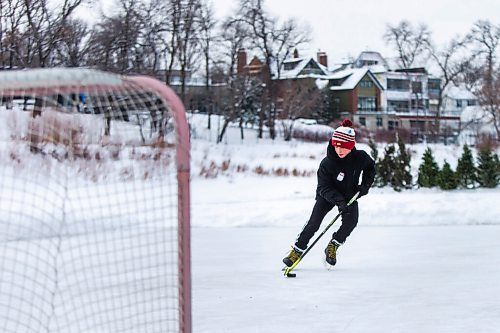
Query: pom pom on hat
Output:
(346,123)
(344,136)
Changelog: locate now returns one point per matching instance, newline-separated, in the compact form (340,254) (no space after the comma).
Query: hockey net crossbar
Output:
(94,203)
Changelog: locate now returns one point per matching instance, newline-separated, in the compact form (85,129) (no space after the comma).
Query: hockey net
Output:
(94,204)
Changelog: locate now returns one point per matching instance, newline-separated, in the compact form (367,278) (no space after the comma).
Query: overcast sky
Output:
(344,28)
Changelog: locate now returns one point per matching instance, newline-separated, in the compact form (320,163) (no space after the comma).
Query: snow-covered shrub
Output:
(312,133)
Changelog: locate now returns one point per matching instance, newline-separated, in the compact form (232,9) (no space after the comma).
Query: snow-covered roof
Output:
(352,77)
(474,113)
(392,63)
(298,70)
(461,92)
(476,119)
(376,69)
(343,73)
(292,60)
(373,57)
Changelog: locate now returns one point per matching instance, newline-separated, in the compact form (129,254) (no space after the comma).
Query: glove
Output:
(363,190)
(343,208)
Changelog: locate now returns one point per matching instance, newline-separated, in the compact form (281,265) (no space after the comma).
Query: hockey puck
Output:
(291,275)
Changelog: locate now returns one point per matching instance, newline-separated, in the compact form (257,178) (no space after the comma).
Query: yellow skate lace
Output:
(294,255)
(332,250)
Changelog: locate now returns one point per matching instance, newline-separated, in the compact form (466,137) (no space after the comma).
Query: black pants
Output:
(320,209)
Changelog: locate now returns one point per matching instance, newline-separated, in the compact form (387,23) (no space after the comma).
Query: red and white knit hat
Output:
(344,136)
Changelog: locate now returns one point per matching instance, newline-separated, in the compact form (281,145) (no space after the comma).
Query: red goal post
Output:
(95,203)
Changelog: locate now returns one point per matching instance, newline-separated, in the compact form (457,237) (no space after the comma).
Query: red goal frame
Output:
(46,81)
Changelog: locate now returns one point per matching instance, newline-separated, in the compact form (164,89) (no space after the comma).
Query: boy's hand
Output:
(363,190)
(343,208)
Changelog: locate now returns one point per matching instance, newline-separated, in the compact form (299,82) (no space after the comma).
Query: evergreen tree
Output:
(488,169)
(466,173)
(497,163)
(428,170)
(386,166)
(402,173)
(447,179)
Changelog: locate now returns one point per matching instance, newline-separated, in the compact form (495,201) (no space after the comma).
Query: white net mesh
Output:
(88,205)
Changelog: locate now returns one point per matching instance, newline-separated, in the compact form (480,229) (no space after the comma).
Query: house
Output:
(456,99)
(292,74)
(290,69)
(300,71)
(370,59)
(255,67)
(355,91)
(303,68)
(374,95)
(409,100)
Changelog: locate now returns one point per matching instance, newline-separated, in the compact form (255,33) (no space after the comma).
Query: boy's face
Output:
(342,152)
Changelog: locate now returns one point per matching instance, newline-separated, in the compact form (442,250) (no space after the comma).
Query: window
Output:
(418,125)
(311,68)
(398,106)
(416,87)
(459,103)
(367,62)
(418,103)
(379,122)
(434,85)
(397,84)
(337,82)
(336,104)
(362,121)
(367,104)
(366,84)
(290,65)
(391,125)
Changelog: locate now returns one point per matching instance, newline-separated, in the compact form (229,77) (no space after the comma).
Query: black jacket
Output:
(338,178)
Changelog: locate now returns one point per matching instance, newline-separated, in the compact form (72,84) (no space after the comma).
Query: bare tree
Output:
(489,99)
(172,29)
(103,44)
(129,26)
(243,98)
(234,36)
(452,60)
(73,47)
(45,25)
(12,19)
(409,42)
(115,40)
(152,39)
(298,100)
(486,37)
(276,42)
(187,40)
(206,38)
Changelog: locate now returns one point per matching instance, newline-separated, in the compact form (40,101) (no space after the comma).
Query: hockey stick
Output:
(289,269)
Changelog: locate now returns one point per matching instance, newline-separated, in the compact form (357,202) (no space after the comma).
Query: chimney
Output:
(241,61)
(295,53)
(322,58)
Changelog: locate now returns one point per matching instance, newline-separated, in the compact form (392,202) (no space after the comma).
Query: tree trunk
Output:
(223,131)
